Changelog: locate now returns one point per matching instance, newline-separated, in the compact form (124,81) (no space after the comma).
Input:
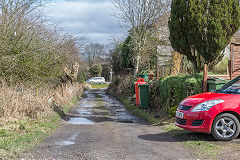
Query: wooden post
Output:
(37,92)
(231,61)
(205,74)
(229,69)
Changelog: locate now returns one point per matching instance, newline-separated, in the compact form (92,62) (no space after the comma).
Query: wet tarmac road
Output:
(100,128)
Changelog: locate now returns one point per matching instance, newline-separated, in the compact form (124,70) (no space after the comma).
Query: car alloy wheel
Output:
(225,127)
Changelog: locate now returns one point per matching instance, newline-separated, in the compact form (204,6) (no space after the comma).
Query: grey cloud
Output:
(91,18)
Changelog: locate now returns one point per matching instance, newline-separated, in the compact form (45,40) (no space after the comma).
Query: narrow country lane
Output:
(99,128)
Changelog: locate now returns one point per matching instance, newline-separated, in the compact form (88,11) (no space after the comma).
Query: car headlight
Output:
(205,106)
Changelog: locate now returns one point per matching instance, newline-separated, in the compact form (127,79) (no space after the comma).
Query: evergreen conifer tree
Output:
(201,29)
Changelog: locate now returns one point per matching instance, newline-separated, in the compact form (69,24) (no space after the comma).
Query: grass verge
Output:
(19,136)
(201,145)
(99,86)
(148,116)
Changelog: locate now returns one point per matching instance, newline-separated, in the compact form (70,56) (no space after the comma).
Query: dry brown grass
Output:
(28,102)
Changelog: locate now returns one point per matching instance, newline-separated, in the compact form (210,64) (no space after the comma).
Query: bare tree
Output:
(143,18)
(94,52)
(115,54)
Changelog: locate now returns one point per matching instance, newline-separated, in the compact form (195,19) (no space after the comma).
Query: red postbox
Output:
(139,81)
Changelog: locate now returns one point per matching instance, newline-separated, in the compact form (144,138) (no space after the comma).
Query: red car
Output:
(216,113)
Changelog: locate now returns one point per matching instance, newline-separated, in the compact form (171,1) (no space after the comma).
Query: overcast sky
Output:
(90,18)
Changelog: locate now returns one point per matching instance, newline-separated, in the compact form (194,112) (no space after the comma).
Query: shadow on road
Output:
(177,136)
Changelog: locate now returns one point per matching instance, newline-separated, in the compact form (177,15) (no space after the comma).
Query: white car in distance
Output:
(100,80)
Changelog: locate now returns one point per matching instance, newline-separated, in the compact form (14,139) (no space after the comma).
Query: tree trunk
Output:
(197,65)
(136,66)
(196,68)
(205,73)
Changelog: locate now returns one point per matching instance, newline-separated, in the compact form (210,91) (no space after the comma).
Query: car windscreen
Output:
(232,87)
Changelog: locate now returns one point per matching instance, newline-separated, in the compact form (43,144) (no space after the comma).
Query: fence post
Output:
(205,74)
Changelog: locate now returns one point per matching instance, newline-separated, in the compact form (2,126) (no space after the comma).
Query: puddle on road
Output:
(86,104)
(73,137)
(80,120)
(124,118)
(112,102)
(83,111)
(66,143)
(102,95)
(121,110)
(97,104)
(91,96)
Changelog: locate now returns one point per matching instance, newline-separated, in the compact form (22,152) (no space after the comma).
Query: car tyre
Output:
(225,127)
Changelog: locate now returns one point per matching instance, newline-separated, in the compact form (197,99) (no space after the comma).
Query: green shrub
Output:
(172,111)
(174,89)
(96,70)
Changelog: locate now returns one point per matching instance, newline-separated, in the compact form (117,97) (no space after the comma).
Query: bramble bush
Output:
(122,86)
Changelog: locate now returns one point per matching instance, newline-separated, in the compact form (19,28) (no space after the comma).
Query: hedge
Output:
(174,89)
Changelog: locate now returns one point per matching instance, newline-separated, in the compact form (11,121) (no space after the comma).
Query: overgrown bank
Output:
(29,118)
(38,75)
